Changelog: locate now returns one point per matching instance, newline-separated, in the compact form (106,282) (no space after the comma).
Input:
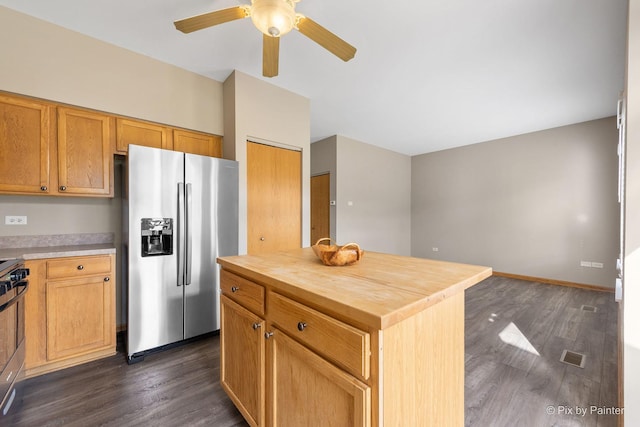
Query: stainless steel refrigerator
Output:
(182,213)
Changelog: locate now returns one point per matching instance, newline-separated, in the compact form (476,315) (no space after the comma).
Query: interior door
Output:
(320,207)
(274,198)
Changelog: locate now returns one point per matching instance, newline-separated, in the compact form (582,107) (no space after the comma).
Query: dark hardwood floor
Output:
(515,333)
(506,383)
(177,387)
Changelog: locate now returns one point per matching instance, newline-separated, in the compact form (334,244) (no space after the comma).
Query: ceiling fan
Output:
(274,18)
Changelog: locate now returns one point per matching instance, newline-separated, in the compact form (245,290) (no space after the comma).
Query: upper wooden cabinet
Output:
(85,152)
(24,144)
(56,150)
(142,133)
(148,134)
(197,143)
(70,153)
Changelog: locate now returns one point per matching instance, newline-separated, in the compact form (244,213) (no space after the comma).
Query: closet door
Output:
(274,198)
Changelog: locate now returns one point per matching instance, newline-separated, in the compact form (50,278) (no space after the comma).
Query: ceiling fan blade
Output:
(270,55)
(326,38)
(198,22)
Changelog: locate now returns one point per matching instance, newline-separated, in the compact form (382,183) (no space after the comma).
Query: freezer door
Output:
(212,231)
(155,297)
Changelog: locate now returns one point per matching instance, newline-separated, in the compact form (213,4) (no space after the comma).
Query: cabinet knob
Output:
(235,289)
(268,335)
(43,188)
(63,188)
(106,279)
(262,239)
(256,326)
(301,326)
(81,267)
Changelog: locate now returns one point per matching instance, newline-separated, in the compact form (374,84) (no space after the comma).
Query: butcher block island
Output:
(377,343)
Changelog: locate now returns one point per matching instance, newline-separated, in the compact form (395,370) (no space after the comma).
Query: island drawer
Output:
(243,291)
(78,266)
(339,342)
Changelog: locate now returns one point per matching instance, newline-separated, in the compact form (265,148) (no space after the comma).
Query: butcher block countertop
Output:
(379,291)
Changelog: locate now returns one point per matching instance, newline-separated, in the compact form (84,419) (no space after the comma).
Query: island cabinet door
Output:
(306,390)
(242,360)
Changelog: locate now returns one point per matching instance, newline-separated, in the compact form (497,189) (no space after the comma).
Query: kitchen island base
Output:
(377,343)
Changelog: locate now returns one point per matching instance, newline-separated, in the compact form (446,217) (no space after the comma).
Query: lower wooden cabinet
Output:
(242,360)
(306,390)
(69,312)
(276,380)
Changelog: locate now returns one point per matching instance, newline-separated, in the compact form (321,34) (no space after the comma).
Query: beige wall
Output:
(46,61)
(631,291)
(372,190)
(535,204)
(262,112)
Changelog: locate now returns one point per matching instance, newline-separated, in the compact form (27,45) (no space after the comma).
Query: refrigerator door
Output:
(212,231)
(155,297)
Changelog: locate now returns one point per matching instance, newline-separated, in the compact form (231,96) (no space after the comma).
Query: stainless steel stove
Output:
(13,286)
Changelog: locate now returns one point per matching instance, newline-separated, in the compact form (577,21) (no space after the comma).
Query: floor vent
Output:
(589,308)
(573,358)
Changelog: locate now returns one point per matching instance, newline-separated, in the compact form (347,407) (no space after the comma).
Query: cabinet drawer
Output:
(78,267)
(343,344)
(243,291)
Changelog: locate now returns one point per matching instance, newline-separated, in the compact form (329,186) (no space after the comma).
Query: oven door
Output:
(12,349)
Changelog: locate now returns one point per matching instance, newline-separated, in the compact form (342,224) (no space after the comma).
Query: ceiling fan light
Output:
(274,18)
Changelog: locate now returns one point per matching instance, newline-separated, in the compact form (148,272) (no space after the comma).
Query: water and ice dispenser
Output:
(157,236)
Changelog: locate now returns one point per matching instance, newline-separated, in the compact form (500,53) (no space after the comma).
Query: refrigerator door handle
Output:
(189,248)
(181,234)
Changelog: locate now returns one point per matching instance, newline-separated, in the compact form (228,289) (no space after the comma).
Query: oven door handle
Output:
(17,297)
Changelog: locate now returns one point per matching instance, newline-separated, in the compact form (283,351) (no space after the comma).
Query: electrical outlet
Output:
(597,264)
(435,249)
(15,220)
(585,264)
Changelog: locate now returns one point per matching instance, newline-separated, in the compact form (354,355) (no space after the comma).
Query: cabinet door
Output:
(242,360)
(84,152)
(24,144)
(197,143)
(306,390)
(141,133)
(80,316)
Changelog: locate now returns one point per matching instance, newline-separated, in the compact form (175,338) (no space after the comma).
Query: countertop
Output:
(379,291)
(57,251)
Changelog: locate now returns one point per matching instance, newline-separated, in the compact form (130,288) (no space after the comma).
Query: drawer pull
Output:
(81,267)
(268,335)
(235,289)
(256,326)
(106,279)
(301,326)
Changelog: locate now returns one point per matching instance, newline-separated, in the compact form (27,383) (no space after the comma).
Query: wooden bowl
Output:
(335,255)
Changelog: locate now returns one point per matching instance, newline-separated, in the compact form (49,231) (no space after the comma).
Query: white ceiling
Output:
(428,75)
